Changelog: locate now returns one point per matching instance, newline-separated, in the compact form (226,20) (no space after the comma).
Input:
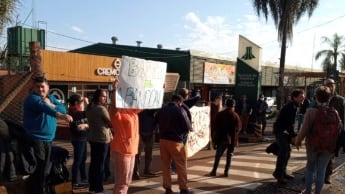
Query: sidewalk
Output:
(297,185)
(263,185)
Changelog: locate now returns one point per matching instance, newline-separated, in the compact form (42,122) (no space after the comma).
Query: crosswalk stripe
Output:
(247,167)
(235,172)
(157,186)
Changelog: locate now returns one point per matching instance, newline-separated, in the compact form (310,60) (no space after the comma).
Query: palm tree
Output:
(7,9)
(285,13)
(330,56)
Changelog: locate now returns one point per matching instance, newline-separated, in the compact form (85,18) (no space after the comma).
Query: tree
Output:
(285,14)
(7,9)
(331,56)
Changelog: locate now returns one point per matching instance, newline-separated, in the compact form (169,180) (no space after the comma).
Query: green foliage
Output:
(334,55)
(285,14)
(7,10)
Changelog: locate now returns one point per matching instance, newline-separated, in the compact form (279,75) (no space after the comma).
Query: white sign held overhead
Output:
(141,83)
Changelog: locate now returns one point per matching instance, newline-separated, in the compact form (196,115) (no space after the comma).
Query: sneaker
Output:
(289,177)
(212,174)
(79,185)
(186,191)
(168,191)
(280,179)
(150,174)
(327,179)
(135,176)
(305,192)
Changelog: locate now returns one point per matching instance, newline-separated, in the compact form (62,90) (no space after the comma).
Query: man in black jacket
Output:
(227,125)
(283,130)
(337,102)
(173,126)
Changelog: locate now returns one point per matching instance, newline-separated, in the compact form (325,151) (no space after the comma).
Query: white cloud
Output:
(212,35)
(215,34)
(77,29)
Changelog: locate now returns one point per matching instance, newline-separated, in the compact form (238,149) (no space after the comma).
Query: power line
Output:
(269,42)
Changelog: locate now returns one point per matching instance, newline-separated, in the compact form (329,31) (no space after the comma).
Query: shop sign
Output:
(115,71)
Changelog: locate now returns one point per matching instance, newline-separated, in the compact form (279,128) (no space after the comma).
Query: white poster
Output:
(199,137)
(141,83)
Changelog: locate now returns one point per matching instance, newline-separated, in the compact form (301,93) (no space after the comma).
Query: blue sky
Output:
(212,26)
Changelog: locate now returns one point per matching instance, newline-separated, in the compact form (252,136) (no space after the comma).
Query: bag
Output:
(325,130)
(273,148)
(58,172)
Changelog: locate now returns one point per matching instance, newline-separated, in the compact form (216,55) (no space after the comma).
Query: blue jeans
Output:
(316,162)
(96,170)
(79,158)
(300,118)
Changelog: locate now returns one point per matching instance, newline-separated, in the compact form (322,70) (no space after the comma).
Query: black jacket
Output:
(286,119)
(173,122)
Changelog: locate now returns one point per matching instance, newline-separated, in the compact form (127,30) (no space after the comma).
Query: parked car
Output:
(270,101)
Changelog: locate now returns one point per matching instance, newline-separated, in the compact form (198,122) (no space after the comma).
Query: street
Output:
(250,172)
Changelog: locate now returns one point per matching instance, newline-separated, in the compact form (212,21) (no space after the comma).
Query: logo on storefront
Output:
(115,71)
(249,53)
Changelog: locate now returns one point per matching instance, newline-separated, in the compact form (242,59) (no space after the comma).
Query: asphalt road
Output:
(250,172)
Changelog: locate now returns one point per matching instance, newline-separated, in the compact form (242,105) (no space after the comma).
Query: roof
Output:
(178,61)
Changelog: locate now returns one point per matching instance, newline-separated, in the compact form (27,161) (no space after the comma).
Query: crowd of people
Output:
(122,134)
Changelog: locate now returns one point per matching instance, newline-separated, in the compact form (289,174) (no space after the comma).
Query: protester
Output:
(78,129)
(99,137)
(174,125)
(227,125)
(188,102)
(147,127)
(41,111)
(283,129)
(260,109)
(125,144)
(244,110)
(215,107)
(337,102)
(317,157)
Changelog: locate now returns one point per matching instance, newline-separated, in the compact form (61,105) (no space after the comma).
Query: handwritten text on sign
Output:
(200,136)
(141,84)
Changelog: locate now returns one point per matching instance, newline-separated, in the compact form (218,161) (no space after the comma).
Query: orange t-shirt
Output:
(126,131)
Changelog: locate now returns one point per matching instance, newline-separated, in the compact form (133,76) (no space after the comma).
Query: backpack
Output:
(58,172)
(325,130)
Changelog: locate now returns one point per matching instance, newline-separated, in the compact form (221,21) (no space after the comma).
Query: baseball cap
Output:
(328,81)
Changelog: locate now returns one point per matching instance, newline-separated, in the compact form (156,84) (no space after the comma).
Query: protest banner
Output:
(200,136)
(141,83)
